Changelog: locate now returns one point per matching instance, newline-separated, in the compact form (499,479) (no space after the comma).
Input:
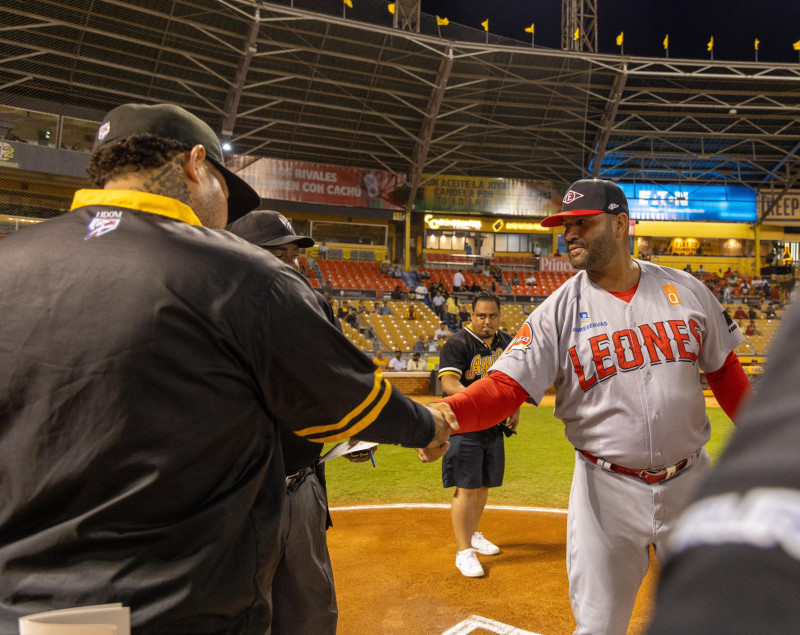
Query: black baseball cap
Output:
(588,197)
(266,228)
(173,122)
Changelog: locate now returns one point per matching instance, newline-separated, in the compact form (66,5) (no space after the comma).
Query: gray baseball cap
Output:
(173,122)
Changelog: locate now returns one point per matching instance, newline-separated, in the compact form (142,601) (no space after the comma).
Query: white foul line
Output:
(512,508)
(474,622)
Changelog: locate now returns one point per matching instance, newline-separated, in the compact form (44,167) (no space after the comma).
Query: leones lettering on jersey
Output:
(522,340)
(572,195)
(102,223)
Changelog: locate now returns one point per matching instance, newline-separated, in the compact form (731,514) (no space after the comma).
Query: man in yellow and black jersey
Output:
(476,460)
(146,360)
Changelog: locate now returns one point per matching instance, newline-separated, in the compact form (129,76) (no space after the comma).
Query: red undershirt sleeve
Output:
(486,402)
(729,385)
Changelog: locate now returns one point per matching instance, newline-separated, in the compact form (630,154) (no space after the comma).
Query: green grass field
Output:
(539,463)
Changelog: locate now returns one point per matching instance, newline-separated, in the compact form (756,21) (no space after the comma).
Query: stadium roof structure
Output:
(312,80)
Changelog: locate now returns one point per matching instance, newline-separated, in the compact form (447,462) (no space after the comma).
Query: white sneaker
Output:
(483,546)
(467,563)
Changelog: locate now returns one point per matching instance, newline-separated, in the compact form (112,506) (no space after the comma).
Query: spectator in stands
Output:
(384,267)
(416,364)
(423,274)
(701,270)
(397,363)
(770,312)
(362,308)
(727,294)
(376,308)
(537,250)
(421,291)
(531,280)
(398,271)
(327,288)
(515,279)
(397,294)
(467,248)
(474,288)
(688,268)
(463,315)
(442,333)
(380,361)
(419,345)
(752,314)
(766,290)
(344,309)
(740,314)
(751,329)
(390,271)
(451,307)
(744,288)
(458,281)
(437,302)
(440,289)
(493,287)
(386,309)
(433,346)
(323,251)
(352,317)
(411,313)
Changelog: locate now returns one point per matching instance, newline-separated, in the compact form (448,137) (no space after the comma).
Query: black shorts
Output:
(475,459)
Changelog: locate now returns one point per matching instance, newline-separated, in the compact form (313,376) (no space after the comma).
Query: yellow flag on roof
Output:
(796,45)
(391,8)
(620,38)
(756,43)
(666,41)
(710,45)
(577,34)
(529,29)
(442,21)
(349,3)
(485,24)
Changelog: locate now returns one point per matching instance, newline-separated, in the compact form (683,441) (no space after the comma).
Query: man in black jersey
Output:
(476,460)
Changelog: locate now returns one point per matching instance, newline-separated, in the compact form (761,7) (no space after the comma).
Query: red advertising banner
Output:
(325,184)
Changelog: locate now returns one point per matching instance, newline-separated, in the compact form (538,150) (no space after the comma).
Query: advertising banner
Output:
(685,202)
(785,212)
(325,184)
(506,197)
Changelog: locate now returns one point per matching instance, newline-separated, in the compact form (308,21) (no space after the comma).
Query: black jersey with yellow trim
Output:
(140,381)
(467,357)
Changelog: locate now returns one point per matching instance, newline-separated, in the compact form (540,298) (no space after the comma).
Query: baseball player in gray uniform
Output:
(623,342)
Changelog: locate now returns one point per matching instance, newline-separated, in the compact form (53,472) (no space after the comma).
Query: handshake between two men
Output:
(445,421)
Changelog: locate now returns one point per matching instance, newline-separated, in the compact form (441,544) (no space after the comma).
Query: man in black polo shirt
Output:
(303,594)
(145,362)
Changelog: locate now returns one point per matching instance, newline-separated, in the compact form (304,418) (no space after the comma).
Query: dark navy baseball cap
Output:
(173,122)
(588,197)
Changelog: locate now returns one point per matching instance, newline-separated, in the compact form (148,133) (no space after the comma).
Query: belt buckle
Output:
(655,476)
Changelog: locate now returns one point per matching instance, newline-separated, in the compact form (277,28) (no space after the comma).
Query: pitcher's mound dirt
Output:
(395,573)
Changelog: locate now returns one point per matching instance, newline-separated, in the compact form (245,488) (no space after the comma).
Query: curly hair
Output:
(134,153)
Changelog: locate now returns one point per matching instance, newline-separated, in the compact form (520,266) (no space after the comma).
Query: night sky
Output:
(735,24)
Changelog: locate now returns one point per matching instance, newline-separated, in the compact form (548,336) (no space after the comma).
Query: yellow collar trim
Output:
(142,201)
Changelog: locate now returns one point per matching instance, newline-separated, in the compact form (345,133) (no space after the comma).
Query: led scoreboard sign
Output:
(733,203)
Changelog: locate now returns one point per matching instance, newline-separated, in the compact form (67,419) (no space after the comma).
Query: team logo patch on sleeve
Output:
(102,223)
(522,340)
(672,294)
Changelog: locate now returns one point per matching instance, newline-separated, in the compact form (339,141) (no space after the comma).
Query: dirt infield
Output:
(395,573)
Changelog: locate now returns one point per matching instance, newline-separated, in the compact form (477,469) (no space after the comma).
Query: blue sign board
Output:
(732,203)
